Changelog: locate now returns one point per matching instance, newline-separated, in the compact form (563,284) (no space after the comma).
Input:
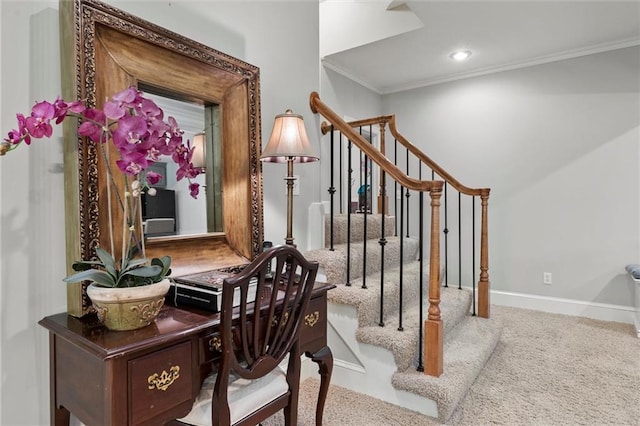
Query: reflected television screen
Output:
(159,213)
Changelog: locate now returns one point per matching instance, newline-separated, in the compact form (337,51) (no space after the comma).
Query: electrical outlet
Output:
(546,278)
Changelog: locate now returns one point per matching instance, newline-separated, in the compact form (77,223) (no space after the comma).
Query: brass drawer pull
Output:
(275,320)
(312,319)
(215,344)
(164,380)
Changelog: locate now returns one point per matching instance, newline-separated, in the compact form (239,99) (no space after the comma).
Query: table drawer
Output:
(210,347)
(314,335)
(159,382)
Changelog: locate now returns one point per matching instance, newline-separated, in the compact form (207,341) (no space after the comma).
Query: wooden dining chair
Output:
(250,385)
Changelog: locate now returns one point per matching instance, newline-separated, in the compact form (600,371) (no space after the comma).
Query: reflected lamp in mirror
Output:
(289,144)
(199,158)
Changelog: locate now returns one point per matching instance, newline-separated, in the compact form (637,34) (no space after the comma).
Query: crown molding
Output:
(540,60)
(347,74)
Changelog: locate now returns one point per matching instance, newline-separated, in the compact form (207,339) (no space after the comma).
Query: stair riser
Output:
(336,271)
(374,228)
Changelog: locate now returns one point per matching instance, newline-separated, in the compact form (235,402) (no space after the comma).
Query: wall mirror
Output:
(105,50)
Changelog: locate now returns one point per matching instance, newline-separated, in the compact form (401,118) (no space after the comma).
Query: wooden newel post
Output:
(433,329)
(383,201)
(483,283)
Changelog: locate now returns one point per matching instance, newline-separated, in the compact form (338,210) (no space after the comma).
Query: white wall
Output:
(31,219)
(31,183)
(558,144)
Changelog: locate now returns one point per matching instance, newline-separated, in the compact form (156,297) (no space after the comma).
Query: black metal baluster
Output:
(332,192)
(459,242)
(473,251)
(366,208)
(349,179)
(421,308)
(400,327)
(395,188)
(407,195)
(340,176)
(446,239)
(383,237)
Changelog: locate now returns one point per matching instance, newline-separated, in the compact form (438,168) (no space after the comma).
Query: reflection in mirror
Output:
(172,211)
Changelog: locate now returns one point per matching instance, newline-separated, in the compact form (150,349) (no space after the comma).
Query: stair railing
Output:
(483,285)
(433,326)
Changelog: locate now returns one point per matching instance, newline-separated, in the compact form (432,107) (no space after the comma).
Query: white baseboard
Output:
(556,305)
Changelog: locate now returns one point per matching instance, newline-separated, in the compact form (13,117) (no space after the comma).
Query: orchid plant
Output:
(136,127)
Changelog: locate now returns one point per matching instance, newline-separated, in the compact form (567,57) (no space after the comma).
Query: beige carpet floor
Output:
(547,369)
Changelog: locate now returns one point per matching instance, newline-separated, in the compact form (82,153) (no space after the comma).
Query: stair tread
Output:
(455,305)
(466,351)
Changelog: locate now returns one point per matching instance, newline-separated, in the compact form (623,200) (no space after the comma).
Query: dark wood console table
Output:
(151,376)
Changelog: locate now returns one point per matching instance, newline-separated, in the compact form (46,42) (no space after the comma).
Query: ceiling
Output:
(390,46)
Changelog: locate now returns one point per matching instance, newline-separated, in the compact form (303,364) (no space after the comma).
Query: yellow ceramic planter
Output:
(128,308)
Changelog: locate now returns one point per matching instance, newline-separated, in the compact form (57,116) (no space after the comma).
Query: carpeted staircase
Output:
(381,361)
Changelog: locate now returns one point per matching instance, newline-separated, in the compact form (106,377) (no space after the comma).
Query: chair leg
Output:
(291,410)
(291,415)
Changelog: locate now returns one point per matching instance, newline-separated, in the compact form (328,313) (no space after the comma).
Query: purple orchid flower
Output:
(194,189)
(39,123)
(131,131)
(132,163)
(92,127)
(129,97)
(21,134)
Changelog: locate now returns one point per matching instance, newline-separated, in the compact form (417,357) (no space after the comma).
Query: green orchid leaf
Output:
(101,278)
(142,272)
(145,271)
(83,265)
(108,262)
(164,262)
(133,264)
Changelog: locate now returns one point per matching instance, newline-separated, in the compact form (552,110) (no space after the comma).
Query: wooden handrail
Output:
(326,127)
(317,106)
(391,121)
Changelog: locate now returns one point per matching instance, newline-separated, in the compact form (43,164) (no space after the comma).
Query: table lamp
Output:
(199,158)
(288,143)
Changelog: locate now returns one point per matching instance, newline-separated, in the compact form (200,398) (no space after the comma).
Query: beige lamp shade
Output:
(288,141)
(199,157)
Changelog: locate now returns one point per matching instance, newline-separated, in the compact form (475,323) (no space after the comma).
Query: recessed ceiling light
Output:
(460,55)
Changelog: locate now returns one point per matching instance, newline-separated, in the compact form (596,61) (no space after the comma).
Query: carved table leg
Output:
(59,416)
(324,359)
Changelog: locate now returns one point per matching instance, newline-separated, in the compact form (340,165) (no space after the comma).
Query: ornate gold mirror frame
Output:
(105,50)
